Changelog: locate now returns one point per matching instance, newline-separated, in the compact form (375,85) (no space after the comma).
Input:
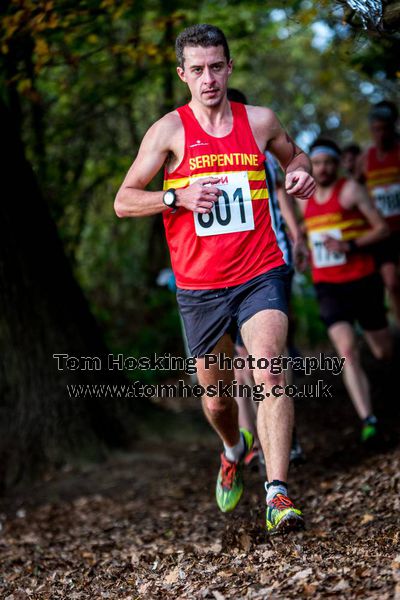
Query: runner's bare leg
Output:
(221,413)
(264,336)
(391,280)
(380,343)
(247,407)
(345,342)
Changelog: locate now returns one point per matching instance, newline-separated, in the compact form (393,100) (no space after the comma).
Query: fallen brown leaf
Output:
(172,576)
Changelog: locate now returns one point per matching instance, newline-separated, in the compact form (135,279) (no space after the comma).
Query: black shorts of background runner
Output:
(209,314)
(387,251)
(361,300)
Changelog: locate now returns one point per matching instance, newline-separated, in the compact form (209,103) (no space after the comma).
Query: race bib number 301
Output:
(322,257)
(233,211)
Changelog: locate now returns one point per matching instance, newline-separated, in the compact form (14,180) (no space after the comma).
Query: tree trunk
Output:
(43,312)
(389,24)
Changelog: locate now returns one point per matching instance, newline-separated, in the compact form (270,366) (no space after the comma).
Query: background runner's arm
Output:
(133,201)
(355,195)
(379,229)
(288,210)
(286,204)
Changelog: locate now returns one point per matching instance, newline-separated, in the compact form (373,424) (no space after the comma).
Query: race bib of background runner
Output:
(232,212)
(387,199)
(321,256)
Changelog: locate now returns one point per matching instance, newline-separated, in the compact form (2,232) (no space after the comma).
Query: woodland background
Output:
(80,82)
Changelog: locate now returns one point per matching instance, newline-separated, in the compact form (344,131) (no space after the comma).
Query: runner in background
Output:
(295,254)
(341,223)
(350,156)
(379,168)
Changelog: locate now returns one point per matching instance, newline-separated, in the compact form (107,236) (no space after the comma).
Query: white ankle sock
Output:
(235,453)
(272,490)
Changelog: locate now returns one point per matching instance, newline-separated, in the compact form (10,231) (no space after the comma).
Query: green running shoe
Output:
(369,431)
(282,516)
(230,477)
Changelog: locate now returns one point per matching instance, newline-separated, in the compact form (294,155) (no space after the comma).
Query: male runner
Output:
(350,156)
(341,222)
(229,270)
(379,167)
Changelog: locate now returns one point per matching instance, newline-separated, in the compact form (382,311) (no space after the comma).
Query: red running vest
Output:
(383,182)
(235,241)
(332,219)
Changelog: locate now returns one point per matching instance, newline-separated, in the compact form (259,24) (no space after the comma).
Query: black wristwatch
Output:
(169,198)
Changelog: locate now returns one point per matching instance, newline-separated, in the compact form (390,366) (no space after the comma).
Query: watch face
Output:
(169,198)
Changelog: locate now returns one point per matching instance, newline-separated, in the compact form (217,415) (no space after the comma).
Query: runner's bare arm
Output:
(288,210)
(379,228)
(286,204)
(355,195)
(133,201)
(295,163)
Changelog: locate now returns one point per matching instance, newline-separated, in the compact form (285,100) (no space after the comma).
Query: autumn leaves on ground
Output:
(145,525)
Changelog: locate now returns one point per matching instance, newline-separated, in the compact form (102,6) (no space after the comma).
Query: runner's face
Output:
(349,161)
(382,133)
(206,73)
(325,169)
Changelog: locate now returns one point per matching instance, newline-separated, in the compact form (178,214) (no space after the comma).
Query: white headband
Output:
(324,150)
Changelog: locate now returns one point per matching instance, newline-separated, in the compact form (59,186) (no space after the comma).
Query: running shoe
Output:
(255,460)
(282,516)
(368,433)
(230,477)
(369,429)
(252,457)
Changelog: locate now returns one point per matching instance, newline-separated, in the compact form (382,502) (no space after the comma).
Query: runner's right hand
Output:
(199,197)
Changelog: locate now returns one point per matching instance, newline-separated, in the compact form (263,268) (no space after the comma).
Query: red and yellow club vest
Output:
(332,219)
(383,182)
(235,242)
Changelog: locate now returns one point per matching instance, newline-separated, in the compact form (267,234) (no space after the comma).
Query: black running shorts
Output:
(361,300)
(239,340)
(209,314)
(387,251)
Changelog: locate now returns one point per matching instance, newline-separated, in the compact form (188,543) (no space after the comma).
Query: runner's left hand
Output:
(300,184)
(335,245)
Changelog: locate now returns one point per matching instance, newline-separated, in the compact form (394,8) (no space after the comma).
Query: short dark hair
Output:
(352,149)
(325,142)
(203,35)
(384,111)
(236,96)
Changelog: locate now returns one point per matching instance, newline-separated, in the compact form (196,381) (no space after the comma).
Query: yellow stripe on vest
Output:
(312,224)
(184,181)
